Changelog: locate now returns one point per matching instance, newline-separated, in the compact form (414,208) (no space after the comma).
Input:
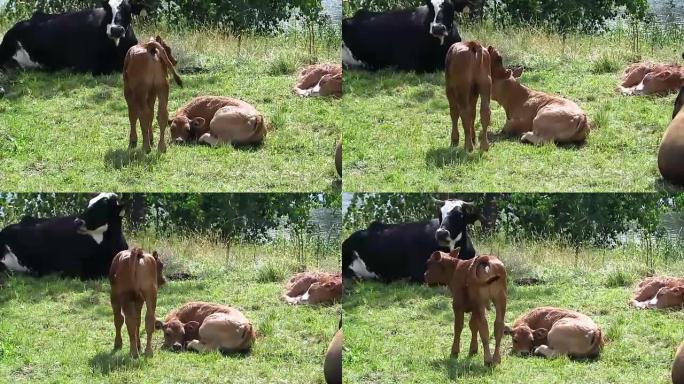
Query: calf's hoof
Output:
(148,352)
(472,352)
(132,144)
(162,149)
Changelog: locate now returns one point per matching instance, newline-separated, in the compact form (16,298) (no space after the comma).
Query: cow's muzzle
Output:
(443,237)
(438,30)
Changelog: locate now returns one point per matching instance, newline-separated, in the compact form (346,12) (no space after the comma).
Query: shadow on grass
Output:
(384,295)
(49,84)
(662,185)
(363,83)
(446,156)
(471,366)
(122,158)
(106,362)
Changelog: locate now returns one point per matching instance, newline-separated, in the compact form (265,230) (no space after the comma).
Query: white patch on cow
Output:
(103,195)
(446,208)
(12,262)
(23,59)
(348,59)
(114,5)
(97,234)
(436,4)
(360,270)
(653,303)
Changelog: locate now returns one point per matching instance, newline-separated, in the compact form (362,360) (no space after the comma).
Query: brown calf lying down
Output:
(659,292)
(206,327)
(473,284)
(145,74)
(313,288)
(467,77)
(678,366)
(216,120)
(671,151)
(552,332)
(320,80)
(652,79)
(332,366)
(535,116)
(135,277)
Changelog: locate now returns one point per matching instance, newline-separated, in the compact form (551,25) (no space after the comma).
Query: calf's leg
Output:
(163,116)
(472,324)
(130,317)
(458,327)
(455,114)
(485,113)
(151,307)
(132,118)
(500,307)
(481,319)
(118,320)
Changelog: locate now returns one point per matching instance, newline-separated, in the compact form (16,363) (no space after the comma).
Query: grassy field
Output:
(397,125)
(61,331)
(66,132)
(401,333)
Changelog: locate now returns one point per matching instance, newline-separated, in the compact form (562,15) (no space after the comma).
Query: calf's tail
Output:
(136,255)
(154,47)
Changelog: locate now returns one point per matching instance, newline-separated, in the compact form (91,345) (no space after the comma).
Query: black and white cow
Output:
(395,251)
(93,40)
(73,246)
(411,40)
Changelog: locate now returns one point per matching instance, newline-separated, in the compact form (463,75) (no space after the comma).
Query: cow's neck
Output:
(511,95)
(467,251)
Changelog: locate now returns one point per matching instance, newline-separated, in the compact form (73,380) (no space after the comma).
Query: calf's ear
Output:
(158,324)
(540,333)
(191,327)
(508,330)
(517,72)
(455,252)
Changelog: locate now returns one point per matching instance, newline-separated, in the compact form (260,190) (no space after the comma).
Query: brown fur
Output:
(327,76)
(671,151)
(321,287)
(668,292)
(535,116)
(473,284)
(183,324)
(145,73)
(531,329)
(652,79)
(467,78)
(135,278)
(193,120)
(678,366)
(332,366)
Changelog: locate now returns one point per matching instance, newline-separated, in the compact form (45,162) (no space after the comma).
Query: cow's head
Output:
(184,130)
(440,267)
(525,338)
(95,220)
(441,15)
(118,15)
(454,216)
(178,334)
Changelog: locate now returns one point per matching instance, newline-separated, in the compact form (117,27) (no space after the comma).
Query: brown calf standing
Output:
(671,151)
(145,74)
(473,284)
(678,366)
(467,77)
(135,277)
(332,365)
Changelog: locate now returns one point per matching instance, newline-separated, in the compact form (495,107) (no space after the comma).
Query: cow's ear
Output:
(429,5)
(158,324)
(471,213)
(455,252)
(170,122)
(540,333)
(137,8)
(508,330)
(518,72)
(104,4)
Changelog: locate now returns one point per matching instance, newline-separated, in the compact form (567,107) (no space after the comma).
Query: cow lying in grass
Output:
(320,80)
(473,284)
(552,332)
(206,327)
(135,277)
(217,120)
(467,78)
(313,288)
(145,75)
(652,79)
(535,117)
(659,292)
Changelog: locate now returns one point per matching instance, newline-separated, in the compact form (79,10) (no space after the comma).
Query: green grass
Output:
(67,132)
(402,333)
(61,331)
(397,125)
